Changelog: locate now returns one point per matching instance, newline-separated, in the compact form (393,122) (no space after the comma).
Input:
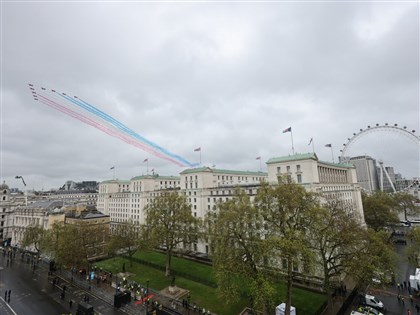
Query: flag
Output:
(258,158)
(310,141)
(198,149)
(112,168)
(329,145)
(146,160)
(287,130)
(153,170)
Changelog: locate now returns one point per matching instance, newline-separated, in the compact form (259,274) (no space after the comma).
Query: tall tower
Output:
(5,208)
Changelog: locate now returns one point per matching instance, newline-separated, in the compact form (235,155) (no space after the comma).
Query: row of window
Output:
(288,169)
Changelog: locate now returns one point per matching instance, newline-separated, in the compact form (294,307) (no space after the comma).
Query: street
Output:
(388,295)
(32,291)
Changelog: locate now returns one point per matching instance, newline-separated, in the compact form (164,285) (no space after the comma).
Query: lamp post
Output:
(24,191)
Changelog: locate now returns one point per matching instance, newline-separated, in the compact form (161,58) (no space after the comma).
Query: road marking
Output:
(11,309)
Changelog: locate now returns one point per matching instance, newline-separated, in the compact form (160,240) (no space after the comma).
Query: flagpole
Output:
(200,156)
(312,142)
(114,173)
(260,165)
(332,153)
(291,136)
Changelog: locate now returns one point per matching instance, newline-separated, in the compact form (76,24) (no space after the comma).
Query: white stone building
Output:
(6,218)
(124,200)
(204,187)
(42,213)
(331,180)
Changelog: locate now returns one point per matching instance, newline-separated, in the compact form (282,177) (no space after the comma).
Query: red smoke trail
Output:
(103,128)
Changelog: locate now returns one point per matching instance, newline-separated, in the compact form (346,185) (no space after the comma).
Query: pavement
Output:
(106,292)
(62,291)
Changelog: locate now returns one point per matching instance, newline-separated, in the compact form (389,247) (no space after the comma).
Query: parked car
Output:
(369,310)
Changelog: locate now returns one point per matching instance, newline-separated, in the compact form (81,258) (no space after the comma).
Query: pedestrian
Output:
(398,286)
(411,298)
(402,300)
(408,312)
(70,303)
(399,298)
(8,293)
(405,284)
(5,295)
(418,308)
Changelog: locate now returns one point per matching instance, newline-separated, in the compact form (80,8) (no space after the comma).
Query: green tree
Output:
(406,203)
(374,260)
(286,209)
(336,236)
(34,236)
(240,252)
(169,223)
(126,239)
(413,250)
(75,244)
(380,210)
(52,238)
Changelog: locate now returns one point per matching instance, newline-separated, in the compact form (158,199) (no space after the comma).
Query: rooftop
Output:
(156,176)
(115,181)
(222,171)
(295,157)
(306,156)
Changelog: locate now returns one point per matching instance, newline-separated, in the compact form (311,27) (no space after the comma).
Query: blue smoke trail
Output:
(92,109)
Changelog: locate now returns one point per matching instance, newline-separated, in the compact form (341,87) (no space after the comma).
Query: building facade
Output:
(6,218)
(336,181)
(43,213)
(124,200)
(205,187)
(366,172)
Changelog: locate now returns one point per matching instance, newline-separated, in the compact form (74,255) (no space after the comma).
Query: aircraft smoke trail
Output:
(92,109)
(101,127)
(112,127)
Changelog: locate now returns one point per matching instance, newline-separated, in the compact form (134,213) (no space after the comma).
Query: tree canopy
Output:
(75,244)
(380,210)
(258,242)
(406,203)
(34,237)
(169,223)
(241,252)
(127,239)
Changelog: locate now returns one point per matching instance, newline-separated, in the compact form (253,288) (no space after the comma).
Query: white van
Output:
(370,300)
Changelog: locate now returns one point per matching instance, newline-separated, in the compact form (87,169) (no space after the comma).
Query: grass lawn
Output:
(306,302)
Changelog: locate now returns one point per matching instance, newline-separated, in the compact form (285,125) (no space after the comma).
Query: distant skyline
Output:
(225,77)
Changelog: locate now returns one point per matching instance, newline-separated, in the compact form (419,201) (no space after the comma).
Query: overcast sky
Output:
(227,77)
